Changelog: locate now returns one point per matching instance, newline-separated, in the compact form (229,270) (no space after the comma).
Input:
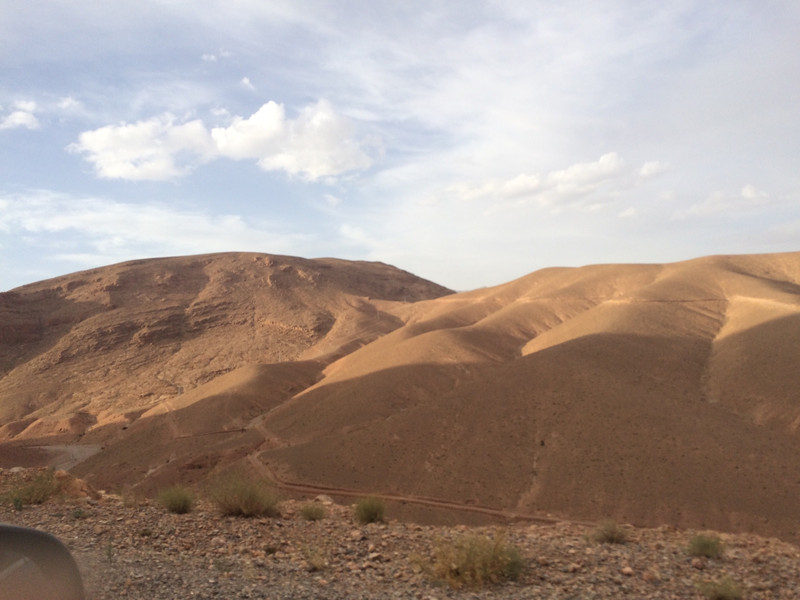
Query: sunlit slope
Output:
(106,345)
(649,393)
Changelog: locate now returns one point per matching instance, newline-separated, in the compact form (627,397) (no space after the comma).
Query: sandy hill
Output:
(647,393)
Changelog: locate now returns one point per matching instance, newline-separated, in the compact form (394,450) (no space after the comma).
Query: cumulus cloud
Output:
(319,143)
(23,116)
(146,150)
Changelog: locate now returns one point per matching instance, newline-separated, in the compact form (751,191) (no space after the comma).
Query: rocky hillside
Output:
(652,394)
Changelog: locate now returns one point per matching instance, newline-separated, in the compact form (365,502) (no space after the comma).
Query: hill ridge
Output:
(648,393)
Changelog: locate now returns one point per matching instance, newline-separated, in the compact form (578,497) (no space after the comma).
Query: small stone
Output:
(699,563)
(626,570)
(573,567)
(651,576)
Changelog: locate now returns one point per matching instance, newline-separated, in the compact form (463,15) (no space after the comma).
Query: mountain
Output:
(652,394)
(108,344)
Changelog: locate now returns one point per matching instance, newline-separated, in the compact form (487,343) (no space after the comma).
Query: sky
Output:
(469,142)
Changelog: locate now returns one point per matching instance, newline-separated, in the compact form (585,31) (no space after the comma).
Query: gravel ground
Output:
(137,550)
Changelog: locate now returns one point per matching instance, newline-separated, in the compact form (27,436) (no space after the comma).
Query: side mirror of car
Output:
(35,565)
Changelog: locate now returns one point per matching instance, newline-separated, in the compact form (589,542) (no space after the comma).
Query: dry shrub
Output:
(370,510)
(312,511)
(176,499)
(317,559)
(609,532)
(724,589)
(473,561)
(36,491)
(707,545)
(239,496)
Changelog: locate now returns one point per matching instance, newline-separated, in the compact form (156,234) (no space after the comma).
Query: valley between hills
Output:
(652,394)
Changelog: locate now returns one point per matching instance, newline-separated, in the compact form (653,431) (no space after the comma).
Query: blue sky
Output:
(467,142)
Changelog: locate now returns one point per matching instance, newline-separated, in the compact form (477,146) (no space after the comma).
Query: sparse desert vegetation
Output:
(370,510)
(610,532)
(176,499)
(723,589)
(473,561)
(707,545)
(238,495)
(141,553)
(41,488)
(312,511)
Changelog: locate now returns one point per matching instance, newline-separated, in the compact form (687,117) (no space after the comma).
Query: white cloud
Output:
(254,137)
(653,168)
(111,231)
(722,203)
(22,117)
(750,192)
(248,84)
(70,104)
(317,144)
(578,184)
(582,178)
(146,150)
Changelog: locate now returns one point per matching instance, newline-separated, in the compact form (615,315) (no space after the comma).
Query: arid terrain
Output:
(131,547)
(656,395)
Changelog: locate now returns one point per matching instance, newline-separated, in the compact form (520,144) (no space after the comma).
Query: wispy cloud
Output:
(110,230)
(21,116)
(571,186)
(728,204)
(318,143)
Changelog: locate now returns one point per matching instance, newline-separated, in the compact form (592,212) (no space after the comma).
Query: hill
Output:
(648,393)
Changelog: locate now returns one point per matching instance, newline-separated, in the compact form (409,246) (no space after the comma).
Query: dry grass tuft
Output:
(724,589)
(370,510)
(707,545)
(312,511)
(176,499)
(239,496)
(474,561)
(609,532)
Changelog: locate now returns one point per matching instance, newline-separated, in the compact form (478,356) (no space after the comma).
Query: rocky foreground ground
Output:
(133,548)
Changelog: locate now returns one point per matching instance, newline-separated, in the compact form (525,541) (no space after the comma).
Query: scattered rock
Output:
(144,553)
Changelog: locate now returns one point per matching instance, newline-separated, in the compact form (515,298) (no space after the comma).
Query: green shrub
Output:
(707,545)
(474,561)
(37,491)
(609,532)
(312,511)
(239,496)
(176,499)
(724,589)
(370,510)
(80,513)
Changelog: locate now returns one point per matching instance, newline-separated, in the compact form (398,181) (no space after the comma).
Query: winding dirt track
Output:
(423,501)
